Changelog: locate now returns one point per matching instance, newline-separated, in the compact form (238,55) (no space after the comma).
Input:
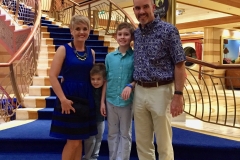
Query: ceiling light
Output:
(198,32)
(180,11)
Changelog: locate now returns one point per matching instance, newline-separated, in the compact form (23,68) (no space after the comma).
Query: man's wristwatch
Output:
(178,92)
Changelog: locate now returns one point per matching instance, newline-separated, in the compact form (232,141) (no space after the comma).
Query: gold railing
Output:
(104,14)
(19,70)
(208,98)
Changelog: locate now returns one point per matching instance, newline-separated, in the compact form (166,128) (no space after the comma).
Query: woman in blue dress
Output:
(74,61)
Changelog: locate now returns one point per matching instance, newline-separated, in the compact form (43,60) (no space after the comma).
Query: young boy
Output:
(118,93)
(92,145)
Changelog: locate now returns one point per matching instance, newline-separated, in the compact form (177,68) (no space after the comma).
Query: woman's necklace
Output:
(80,57)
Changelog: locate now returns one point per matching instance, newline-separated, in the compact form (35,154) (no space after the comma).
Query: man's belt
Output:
(153,84)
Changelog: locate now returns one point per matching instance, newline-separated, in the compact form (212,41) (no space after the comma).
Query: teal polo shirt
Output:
(119,73)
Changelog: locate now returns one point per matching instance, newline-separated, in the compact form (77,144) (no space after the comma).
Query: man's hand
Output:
(176,107)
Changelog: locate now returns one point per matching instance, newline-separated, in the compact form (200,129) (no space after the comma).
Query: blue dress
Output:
(76,83)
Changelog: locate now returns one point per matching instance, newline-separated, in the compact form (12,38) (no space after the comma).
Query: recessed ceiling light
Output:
(179,11)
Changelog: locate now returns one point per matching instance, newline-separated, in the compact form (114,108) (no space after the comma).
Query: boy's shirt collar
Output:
(129,51)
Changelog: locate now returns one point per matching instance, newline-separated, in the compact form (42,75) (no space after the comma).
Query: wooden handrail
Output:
(125,13)
(26,43)
(193,60)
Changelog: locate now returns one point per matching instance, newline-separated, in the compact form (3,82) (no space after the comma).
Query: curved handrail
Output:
(25,44)
(211,97)
(124,12)
(234,66)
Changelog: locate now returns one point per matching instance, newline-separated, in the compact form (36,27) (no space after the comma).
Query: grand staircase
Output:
(27,137)
(13,34)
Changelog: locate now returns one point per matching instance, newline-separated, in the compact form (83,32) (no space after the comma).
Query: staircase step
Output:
(46,55)
(34,113)
(40,91)
(95,48)
(99,32)
(43,80)
(43,71)
(46,21)
(44,62)
(27,113)
(50,25)
(60,41)
(39,101)
(66,35)
(48,48)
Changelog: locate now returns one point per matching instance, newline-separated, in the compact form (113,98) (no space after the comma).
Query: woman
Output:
(74,61)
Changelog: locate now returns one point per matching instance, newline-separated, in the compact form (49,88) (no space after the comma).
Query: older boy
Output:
(119,97)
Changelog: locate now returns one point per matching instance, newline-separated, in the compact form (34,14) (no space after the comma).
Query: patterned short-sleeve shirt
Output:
(157,48)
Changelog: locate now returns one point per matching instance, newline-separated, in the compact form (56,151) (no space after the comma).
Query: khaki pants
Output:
(152,116)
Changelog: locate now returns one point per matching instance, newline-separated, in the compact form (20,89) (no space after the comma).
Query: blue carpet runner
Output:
(33,139)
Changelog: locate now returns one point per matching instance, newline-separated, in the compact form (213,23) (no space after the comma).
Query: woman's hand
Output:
(66,105)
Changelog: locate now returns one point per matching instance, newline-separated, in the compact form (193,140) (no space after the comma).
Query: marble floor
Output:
(208,128)
(184,122)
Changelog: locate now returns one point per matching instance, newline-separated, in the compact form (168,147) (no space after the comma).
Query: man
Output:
(159,72)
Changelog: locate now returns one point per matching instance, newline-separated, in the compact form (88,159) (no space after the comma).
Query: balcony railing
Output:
(212,97)
(17,73)
(104,14)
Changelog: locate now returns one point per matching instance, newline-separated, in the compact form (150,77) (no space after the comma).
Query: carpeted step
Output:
(43,80)
(58,29)
(52,48)
(45,114)
(34,113)
(27,113)
(43,71)
(99,58)
(95,48)
(39,101)
(46,21)
(40,91)
(46,55)
(59,41)
(89,42)
(44,62)
(66,35)
(49,25)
